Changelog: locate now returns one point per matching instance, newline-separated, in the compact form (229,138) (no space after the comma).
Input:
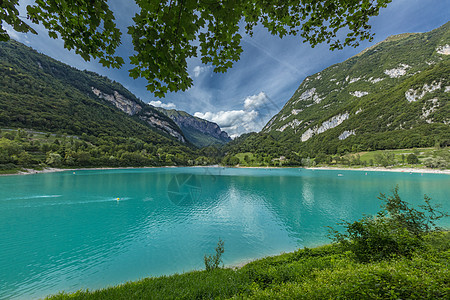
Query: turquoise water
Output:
(67,231)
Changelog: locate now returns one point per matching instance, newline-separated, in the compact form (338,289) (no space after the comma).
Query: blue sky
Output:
(270,69)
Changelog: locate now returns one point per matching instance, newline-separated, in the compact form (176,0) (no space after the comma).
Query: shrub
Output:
(397,230)
(213,261)
(412,159)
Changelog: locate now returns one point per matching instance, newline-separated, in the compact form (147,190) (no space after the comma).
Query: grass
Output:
(251,159)
(423,152)
(9,171)
(325,272)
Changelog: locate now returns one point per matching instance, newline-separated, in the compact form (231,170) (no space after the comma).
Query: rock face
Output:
(359,94)
(331,123)
(175,123)
(156,121)
(122,103)
(444,50)
(204,126)
(414,95)
(143,111)
(397,72)
(198,131)
(310,95)
(346,134)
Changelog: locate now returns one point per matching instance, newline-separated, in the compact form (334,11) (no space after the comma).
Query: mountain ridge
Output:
(200,132)
(393,95)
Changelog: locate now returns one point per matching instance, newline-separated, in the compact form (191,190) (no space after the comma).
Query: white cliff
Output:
(413,95)
(397,72)
(331,123)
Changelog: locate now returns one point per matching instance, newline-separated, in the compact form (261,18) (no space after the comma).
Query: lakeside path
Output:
(368,169)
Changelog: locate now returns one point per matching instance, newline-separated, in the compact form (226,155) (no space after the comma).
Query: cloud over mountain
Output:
(256,111)
(158,103)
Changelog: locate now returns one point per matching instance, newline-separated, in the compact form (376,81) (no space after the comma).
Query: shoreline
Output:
(367,169)
(56,170)
(381,169)
(330,168)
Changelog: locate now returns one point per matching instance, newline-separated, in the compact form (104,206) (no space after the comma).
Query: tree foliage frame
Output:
(166,34)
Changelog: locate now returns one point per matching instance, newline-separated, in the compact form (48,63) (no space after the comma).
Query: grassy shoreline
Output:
(319,273)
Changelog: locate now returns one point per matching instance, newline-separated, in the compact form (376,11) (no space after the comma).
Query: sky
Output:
(262,81)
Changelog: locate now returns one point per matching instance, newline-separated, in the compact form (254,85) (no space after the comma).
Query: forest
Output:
(36,150)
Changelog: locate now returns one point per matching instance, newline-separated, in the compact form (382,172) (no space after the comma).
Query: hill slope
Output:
(41,93)
(79,119)
(199,132)
(393,95)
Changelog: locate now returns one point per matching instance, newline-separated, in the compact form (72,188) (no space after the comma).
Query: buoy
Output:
(118,199)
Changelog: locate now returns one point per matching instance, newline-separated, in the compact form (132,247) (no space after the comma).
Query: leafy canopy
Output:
(165,34)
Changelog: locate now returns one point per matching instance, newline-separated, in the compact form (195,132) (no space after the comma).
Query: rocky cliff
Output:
(144,112)
(198,131)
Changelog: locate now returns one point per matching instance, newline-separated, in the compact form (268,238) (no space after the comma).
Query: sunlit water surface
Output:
(67,231)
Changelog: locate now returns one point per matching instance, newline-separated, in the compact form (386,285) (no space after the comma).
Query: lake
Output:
(95,228)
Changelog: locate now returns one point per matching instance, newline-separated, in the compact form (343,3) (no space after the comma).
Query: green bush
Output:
(412,159)
(397,230)
(213,261)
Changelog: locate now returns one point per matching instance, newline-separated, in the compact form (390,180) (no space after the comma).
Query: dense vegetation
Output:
(28,149)
(66,125)
(40,93)
(399,254)
(379,117)
(435,158)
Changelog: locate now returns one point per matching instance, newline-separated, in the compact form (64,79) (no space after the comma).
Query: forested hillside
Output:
(393,95)
(109,125)
(41,93)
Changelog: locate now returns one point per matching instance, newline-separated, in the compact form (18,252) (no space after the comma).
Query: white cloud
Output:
(255,101)
(158,103)
(234,122)
(254,115)
(199,70)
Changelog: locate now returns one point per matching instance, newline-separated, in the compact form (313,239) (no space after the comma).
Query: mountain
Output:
(41,93)
(199,132)
(392,95)
(78,118)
